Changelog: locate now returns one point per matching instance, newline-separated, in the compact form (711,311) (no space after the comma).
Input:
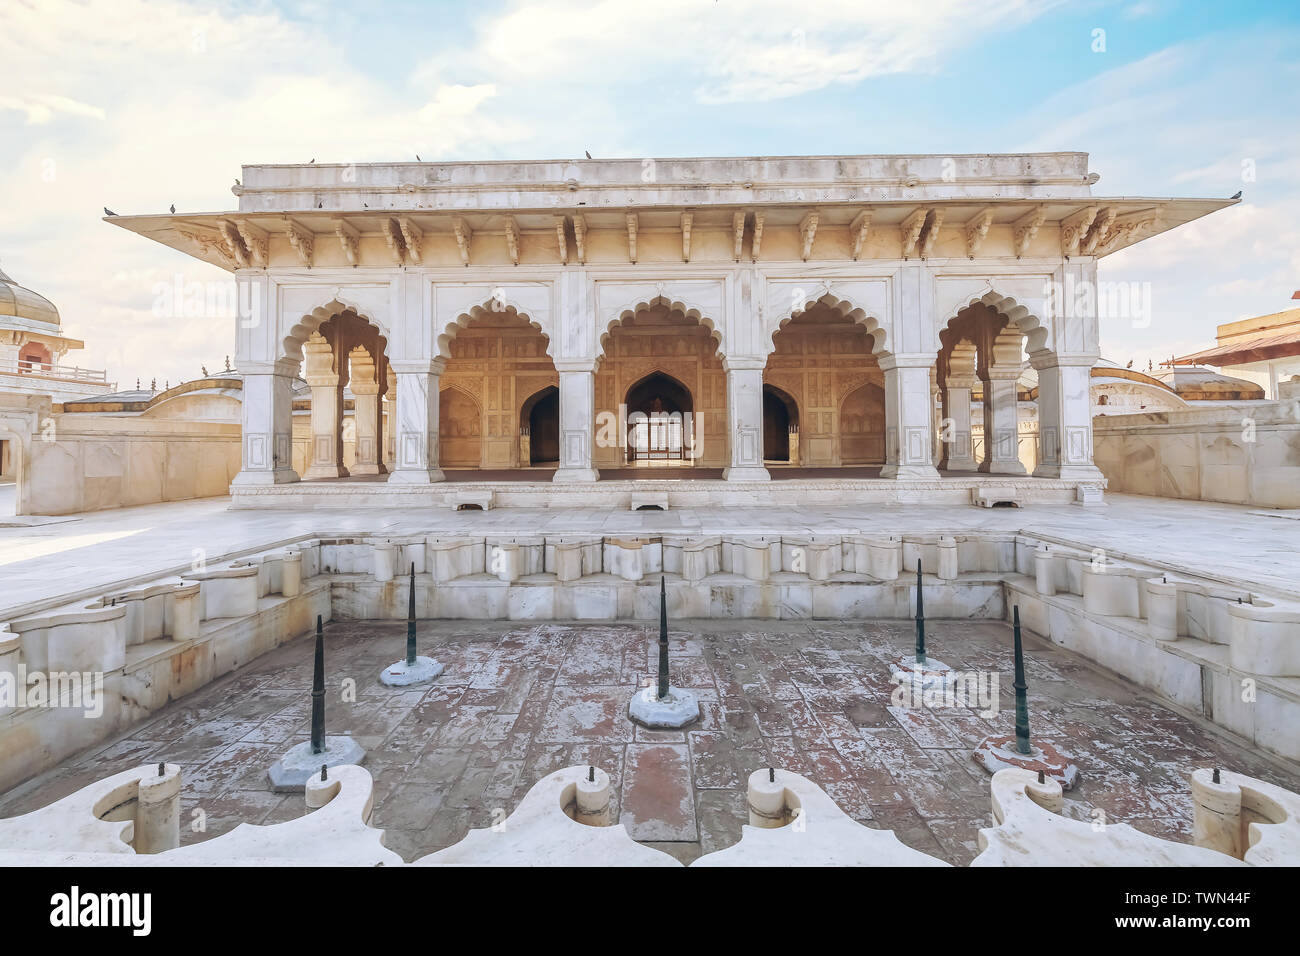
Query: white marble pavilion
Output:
(515,325)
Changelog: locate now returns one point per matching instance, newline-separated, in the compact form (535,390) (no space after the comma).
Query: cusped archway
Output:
(460,429)
(539,424)
(659,419)
(780,426)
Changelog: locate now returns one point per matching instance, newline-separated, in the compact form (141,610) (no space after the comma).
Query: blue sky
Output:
(137,105)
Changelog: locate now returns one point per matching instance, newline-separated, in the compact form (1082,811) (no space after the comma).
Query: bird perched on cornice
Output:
(205,369)
(1237,195)
(588,152)
(312,160)
(1130,364)
(173,207)
(418,159)
(109,212)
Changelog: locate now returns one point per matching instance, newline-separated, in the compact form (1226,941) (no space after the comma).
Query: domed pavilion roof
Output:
(16,301)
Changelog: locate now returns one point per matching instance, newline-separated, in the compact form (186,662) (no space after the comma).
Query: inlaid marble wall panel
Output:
(824,363)
(665,341)
(497,363)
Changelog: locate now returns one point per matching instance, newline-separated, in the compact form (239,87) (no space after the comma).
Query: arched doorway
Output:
(862,426)
(460,429)
(821,355)
(658,420)
(662,338)
(539,428)
(780,426)
(499,357)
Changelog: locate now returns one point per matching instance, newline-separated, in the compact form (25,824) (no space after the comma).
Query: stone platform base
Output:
(679,493)
(678,709)
(999,753)
(290,772)
(403,675)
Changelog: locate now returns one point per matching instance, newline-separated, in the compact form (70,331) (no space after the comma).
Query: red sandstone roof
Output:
(1258,347)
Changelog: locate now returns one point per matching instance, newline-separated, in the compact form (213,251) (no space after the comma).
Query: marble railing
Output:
(565,820)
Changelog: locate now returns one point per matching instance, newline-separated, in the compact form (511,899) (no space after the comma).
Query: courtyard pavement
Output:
(519,701)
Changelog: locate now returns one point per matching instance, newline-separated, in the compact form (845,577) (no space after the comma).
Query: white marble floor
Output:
(67,558)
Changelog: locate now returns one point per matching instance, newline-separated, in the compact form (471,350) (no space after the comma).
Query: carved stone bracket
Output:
(303,241)
(580,237)
(632,222)
(349,239)
(463,236)
(562,239)
(858,229)
(1073,229)
(909,231)
(396,244)
(976,229)
(1024,229)
(807,233)
(414,237)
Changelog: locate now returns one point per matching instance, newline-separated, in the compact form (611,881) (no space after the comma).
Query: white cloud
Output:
(753,51)
(137,105)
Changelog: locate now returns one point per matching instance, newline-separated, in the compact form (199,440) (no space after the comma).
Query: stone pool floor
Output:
(519,701)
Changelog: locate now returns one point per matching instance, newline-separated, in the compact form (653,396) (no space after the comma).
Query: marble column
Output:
(745,419)
(959,383)
(417,422)
(267,423)
(1064,416)
(327,377)
(389,411)
(366,415)
(1001,423)
(908,415)
(577,421)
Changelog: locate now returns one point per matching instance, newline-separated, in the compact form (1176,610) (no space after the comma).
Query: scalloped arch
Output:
(687,309)
(313,320)
(490,306)
(845,308)
(1036,331)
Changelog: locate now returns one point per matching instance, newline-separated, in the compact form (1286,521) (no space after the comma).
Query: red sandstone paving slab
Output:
(217,815)
(544,759)
(468,790)
(131,751)
(711,761)
(484,696)
(959,838)
(849,798)
(782,752)
(966,726)
(466,726)
(910,828)
(925,727)
(772,720)
(895,748)
(644,735)
(587,715)
(806,730)
(657,802)
(440,766)
(720,814)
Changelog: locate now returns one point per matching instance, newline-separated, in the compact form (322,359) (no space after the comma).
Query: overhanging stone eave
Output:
(170,229)
(1172,213)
